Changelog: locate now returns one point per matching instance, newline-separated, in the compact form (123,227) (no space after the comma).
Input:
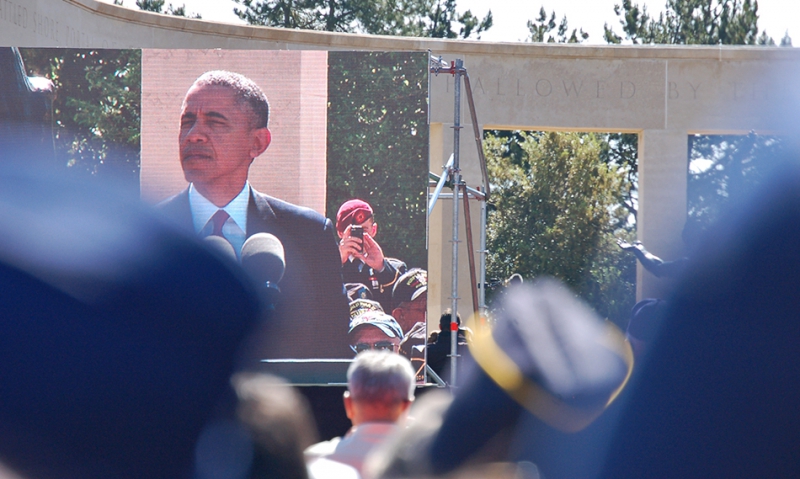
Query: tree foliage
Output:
(542,27)
(553,212)
(96,112)
(725,169)
(687,22)
(442,18)
(378,144)
(620,150)
(419,18)
(157,6)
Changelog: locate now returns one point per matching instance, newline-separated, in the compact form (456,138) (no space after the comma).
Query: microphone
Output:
(221,247)
(263,259)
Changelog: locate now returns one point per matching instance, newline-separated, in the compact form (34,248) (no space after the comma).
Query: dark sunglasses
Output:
(379,346)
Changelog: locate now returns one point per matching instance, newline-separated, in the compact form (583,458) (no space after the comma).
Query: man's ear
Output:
(397,314)
(374,230)
(261,140)
(348,405)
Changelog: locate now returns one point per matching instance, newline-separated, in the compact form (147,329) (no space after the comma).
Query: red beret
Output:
(352,212)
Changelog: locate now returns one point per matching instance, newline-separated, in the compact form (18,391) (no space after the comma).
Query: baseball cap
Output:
(361,306)
(380,320)
(352,212)
(409,286)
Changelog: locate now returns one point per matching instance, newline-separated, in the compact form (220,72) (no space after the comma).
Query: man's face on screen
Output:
(412,312)
(370,337)
(217,139)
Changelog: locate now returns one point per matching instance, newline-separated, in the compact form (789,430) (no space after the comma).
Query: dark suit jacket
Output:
(311,318)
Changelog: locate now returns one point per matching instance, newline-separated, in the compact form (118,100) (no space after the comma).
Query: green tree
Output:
(378,144)
(687,22)
(786,41)
(725,169)
(157,6)
(444,15)
(542,27)
(553,212)
(421,18)
(96,112)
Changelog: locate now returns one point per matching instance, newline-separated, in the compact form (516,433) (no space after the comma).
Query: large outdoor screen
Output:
(318,158)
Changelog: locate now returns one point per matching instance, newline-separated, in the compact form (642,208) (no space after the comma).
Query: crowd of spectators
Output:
(115,363)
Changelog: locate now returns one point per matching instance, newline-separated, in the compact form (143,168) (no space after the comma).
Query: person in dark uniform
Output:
(361,256)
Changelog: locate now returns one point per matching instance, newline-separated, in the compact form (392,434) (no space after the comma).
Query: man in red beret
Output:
(362,257)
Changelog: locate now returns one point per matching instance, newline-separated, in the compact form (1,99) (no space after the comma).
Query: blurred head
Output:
(446,318)
(279,423)
(380,387)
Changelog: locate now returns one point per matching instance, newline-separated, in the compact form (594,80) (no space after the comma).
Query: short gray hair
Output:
(381,377)
(245,90)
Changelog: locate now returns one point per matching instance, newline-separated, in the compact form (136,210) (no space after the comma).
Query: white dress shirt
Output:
(235,228)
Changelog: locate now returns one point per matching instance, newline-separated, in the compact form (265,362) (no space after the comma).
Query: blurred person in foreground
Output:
(113,348)
(362,257)
(380,389)
(266,438)
(717,395)
(532,391)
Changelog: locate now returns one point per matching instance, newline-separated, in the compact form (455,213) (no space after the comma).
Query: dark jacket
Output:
(311,319)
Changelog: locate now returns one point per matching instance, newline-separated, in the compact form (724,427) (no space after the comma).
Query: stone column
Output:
(663,169)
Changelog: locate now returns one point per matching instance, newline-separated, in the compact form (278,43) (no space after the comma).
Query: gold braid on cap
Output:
(545,406)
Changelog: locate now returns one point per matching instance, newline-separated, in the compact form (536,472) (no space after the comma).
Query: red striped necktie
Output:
(218,220)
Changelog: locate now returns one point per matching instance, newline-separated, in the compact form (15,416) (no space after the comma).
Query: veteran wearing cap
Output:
(362,257)
(409,308)
(373,329)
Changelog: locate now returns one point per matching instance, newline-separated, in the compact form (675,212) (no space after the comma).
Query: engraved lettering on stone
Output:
(626,90)
(498,89)
(600,85)
(544,88)
(480,85)
(45,26)
(14,13)
(673,91)
(518,94)
(572,88)
(78,38)
(694,89)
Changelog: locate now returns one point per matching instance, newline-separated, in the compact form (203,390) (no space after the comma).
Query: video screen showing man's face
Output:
(239,145)
(255,152)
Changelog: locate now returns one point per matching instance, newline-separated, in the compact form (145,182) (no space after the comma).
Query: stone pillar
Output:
(663,169)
